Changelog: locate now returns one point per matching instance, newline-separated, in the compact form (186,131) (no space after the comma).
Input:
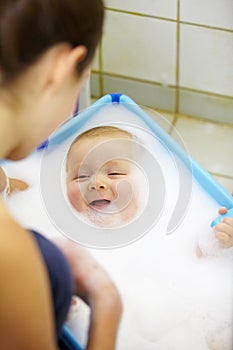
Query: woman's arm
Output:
(94,286)
(104,325)
(26,320)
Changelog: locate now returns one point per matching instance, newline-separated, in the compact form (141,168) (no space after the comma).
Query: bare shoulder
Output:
(14,240)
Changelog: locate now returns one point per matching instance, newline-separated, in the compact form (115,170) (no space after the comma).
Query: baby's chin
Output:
(107,220)
(103,220)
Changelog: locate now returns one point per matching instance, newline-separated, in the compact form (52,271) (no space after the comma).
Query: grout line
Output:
(169,19)
(203,120)
(203,92)
(180,115)
(173,125)
(228,177)
(140,14)
(177,96)
(207,26)
(115,75)
(176,116)
(156,83)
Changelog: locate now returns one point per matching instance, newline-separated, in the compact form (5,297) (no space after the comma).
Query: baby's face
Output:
(100,185)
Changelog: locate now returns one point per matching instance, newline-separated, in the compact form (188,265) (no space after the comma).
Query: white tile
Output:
(95,63)
(160,8)
(95,85)
(218,13)
(85,96)
(142,93)
(163,119)
(226,183)
(206,59)
(139,47)
(210,144)
(210,107)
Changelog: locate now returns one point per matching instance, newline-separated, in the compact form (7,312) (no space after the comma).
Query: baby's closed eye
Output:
(114,174)
(82,177)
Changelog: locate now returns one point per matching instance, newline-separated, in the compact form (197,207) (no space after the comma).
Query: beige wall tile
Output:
(162,119)
(218,13)
(161,8)
(215,108)
(142,93)
(139,47)
(206,59)
(95,85)
(95,63)
(226,183)
(208,143)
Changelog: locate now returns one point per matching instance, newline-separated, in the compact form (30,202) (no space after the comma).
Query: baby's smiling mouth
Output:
(100,203)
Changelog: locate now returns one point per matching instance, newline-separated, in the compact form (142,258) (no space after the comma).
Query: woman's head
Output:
(28,28)
(46,48)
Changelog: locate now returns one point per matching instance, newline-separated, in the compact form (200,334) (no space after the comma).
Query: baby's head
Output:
(102,176)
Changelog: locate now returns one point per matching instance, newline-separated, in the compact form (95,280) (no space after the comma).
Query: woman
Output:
(46,48)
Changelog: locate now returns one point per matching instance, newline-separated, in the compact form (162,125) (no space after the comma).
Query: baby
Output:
(103,180)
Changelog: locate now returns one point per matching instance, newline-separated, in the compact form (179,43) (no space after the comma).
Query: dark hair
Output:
(30,27)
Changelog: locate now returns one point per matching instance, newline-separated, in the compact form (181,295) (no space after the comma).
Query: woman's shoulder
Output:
(4,214)
(14,239)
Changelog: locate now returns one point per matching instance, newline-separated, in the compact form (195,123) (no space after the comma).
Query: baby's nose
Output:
(98,184)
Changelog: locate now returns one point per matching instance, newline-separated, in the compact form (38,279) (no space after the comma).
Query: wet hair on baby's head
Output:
(28,28)
(105,131)
(101,131)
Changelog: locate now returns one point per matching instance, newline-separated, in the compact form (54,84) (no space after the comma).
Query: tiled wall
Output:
(174,55)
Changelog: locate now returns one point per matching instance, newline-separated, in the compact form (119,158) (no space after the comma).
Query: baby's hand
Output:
(9,185)
(17,185)
(224,230)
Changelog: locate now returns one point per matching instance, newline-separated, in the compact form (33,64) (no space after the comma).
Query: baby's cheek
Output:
(127,198)
(75,197)
(124,189)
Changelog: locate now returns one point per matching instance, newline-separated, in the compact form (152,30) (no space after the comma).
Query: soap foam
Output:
(172,299)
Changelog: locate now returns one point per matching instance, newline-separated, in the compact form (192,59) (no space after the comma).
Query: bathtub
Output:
(172,298)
